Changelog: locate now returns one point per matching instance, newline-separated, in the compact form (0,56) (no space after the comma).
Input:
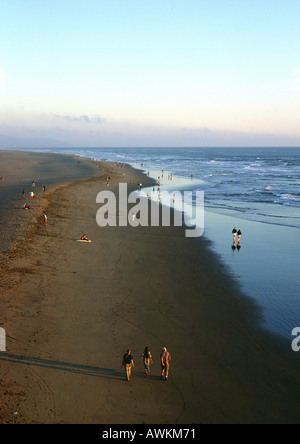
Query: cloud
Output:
(92,130)
(81,119)
(2,80)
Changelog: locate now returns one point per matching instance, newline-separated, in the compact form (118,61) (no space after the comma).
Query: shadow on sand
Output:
(86,370)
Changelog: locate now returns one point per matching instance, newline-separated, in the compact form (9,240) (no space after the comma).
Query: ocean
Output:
(256,190)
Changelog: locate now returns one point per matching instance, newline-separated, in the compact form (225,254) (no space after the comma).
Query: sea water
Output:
(255,189)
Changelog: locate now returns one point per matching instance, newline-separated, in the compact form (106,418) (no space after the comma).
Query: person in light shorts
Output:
(128,364)
(165,359)
(147,359)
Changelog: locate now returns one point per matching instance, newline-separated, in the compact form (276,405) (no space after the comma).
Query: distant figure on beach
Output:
(84,238)
(239,233)
(44,188)
(234,232)
(45,220)
(26,207)
(147,359)
(23,194)
(128,364)
(33,184)
(32,196)
(165,359)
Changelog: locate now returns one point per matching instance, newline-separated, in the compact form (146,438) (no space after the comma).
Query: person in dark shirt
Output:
(128,364)
(234,231)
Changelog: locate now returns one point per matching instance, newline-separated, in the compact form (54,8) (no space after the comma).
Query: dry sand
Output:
(71,310)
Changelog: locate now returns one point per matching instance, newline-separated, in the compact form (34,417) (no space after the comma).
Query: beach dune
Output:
(71,310)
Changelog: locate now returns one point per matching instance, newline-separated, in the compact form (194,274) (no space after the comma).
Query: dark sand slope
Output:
(71,310)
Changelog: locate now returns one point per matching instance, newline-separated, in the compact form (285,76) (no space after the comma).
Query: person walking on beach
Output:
(165,359)
(128,364)
(45,220)
(234,231)
(147,359)
(239,233)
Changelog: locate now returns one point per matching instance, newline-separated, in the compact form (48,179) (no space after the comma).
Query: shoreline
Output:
(132,286)
(261,244)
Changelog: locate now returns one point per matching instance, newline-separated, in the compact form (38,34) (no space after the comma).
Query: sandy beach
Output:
(71,310)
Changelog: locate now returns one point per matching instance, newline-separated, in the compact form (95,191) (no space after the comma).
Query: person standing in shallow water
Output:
(239,233)
(234,232)
(128,364)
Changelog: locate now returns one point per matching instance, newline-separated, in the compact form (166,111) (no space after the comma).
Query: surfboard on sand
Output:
(86,241)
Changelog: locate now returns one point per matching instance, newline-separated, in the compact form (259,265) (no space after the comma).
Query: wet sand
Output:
(71,310)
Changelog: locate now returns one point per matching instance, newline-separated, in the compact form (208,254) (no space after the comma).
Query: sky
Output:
(150,72)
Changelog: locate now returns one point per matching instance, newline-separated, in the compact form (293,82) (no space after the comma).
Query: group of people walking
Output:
(146,356)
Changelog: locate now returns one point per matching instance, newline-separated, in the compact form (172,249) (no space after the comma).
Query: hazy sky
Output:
(151,72)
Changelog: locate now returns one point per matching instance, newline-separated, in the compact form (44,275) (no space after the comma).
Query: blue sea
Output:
(255,189)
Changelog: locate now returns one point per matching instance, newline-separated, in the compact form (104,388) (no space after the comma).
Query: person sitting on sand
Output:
(26,207)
